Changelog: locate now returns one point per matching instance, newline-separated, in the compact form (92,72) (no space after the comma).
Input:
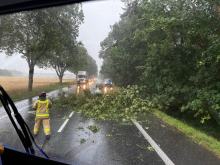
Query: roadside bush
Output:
(205,105)
(171,48)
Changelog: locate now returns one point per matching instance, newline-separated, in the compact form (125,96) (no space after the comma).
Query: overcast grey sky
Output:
(99,16)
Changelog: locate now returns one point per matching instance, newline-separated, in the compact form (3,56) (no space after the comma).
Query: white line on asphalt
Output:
(159,151)
(63,125)
(71,114)
(65,122)
(32,112)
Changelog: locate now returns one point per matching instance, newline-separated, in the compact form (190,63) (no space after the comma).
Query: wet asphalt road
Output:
(114,143)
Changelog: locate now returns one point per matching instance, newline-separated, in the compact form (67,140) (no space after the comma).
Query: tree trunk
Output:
(61,79)
(31,75)
(60,73)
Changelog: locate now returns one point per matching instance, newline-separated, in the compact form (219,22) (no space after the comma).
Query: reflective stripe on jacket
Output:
(42,108)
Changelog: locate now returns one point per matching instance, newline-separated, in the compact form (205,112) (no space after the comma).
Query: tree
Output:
(61,62)
(30,33)
(63,52)
(25,33)
(84,61)
(169,49)
(122,54)
(91,66)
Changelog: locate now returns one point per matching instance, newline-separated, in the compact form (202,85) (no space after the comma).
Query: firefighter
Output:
(42,106)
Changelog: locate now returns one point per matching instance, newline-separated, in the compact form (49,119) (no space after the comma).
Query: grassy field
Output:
(17,86)
(20,83)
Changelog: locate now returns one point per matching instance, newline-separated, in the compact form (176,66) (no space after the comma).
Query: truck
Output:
(82,79)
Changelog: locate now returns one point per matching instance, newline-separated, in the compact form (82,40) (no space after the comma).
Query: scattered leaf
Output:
(82,141)
(93,128)
(150,148)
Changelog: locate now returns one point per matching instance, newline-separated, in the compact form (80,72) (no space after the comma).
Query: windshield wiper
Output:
(23,132)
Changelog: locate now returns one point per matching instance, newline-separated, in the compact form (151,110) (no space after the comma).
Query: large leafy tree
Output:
(25,33)
(84,61)
(91,66)
(63,53)
(172,49)
(31,33)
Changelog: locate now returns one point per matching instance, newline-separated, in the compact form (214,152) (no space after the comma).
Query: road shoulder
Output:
(180,148)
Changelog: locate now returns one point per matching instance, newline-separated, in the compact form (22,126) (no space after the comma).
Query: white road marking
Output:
(32,112)
(71,114)
(159,151)
(63,125)
(65,122)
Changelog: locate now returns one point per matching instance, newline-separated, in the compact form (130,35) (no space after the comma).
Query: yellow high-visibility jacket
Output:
(42,108)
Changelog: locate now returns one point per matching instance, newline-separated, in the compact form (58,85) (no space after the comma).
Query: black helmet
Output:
(43,94)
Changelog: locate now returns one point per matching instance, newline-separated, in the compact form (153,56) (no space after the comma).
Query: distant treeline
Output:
(5,72)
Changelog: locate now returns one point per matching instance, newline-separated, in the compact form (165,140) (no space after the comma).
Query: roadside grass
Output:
(21,94)
(204,135)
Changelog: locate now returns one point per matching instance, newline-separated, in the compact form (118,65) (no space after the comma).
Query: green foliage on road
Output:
(121,105)
(93,128)
(127,103)
(172,49)
(82,141)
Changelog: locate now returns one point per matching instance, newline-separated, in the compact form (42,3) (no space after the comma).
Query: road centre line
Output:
(71,114)
(159,151)
(65,122)
(63,125)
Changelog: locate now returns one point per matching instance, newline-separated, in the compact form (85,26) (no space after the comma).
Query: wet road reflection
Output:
(110,143)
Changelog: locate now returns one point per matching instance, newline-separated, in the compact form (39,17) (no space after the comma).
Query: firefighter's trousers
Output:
(46,125)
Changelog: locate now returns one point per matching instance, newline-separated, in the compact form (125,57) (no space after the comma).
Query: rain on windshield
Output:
(116,82)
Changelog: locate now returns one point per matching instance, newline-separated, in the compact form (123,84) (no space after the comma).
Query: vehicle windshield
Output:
(108,81)
(81,76)
(116,81)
